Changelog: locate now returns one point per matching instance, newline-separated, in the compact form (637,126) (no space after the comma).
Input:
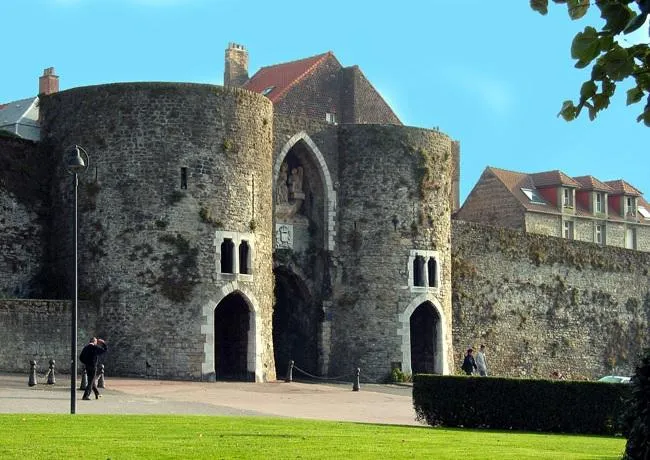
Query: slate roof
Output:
(14,112)
(281,77)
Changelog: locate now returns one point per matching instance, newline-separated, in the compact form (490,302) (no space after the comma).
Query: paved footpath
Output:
(388,404)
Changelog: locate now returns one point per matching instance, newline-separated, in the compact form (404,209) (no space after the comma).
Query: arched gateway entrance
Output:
(296,323)
(234,328)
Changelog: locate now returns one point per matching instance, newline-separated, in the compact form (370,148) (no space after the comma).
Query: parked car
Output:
(614,379)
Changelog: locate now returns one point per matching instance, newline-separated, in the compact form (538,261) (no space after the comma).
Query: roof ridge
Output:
(310,69)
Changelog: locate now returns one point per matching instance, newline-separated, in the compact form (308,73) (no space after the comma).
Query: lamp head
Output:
(75,162)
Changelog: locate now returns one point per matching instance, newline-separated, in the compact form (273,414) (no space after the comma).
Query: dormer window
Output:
(630,206)
(599,200)
(567,200)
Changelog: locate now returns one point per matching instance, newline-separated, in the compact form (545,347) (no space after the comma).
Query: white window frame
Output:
(413,253)
(567,197)
(330,117)
(630,206)
(599,202)
(630,238)
(568,230)
(237,238)
(599,233)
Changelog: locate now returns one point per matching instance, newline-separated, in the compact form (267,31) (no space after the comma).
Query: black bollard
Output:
(289,377)
(84,379)
(355,385)
(100,380)
(32,373)
(51,380)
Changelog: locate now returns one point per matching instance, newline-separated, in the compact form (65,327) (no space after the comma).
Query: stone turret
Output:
(235,71)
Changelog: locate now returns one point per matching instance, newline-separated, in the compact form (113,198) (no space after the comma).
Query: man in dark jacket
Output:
(89,357)
(469,364)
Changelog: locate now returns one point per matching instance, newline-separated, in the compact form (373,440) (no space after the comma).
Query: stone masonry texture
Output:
(175,167)
(542,304)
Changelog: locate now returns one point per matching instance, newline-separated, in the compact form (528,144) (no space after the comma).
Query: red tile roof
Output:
(515,181)
(281,77)
(553,179)
(591,183)
(620,187)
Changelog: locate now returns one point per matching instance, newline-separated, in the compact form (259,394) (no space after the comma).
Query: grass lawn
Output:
(116,437)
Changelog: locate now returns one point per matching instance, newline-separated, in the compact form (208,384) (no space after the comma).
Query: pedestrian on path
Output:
(481,363)
(89,357)
(469,365)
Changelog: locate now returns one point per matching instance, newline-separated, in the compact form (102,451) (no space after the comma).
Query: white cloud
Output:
(491,92)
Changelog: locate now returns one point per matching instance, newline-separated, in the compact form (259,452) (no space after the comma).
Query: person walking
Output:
(89,357)
(469,365)
(481,363)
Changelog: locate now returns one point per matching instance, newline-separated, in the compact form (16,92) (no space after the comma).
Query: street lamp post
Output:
(75,164)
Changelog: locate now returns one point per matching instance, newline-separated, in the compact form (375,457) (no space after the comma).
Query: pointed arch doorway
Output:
(234,336)
(423,331)
(296,324)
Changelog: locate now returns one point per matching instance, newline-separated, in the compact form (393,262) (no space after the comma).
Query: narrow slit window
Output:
(418,271)
(244,254)
(432,266)
(227,253)
(183,178)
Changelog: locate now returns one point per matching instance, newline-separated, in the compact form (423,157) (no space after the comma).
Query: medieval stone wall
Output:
(173,168)
(543,304)
(24,198)
(393,198)
(40,330)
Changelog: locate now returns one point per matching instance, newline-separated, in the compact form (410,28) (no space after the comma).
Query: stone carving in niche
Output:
(283,236)
(289,194)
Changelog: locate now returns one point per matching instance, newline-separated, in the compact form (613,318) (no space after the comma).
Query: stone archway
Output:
(302,144)
(423,328)
(425,319)
(239,301)
(232,324)
(296,324)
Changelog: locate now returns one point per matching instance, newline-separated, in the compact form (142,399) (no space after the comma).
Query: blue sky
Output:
(491,74)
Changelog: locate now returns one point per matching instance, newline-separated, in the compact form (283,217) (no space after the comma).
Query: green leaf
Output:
(586,45)
(568,111)
(635,23)
(577,8)
(634,95)
(616,15)
(598,72)
(601,101)
(588,89)
(592,112)
(618,63)
(541,6)
(608,87)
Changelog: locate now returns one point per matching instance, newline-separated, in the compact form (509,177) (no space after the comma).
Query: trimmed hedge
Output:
(521,404)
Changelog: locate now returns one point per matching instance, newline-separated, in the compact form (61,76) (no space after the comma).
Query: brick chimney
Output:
(48,83)
(235,72)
